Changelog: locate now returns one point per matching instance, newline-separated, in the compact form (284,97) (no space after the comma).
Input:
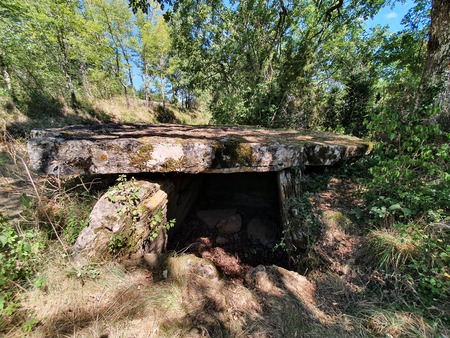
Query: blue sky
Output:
(391,16)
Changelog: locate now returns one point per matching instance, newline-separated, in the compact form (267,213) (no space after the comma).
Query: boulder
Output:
(129,218)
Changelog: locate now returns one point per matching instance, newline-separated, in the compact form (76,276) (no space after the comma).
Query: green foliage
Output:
(302,227)
(411,166)
(127,194)
(29,325)
(157,223)
(119,243)
(19,254)
(267,63)
(309,64)
(74,224)
(409,191)
(431,267)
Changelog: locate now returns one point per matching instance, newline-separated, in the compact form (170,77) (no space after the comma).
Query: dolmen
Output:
(135,215)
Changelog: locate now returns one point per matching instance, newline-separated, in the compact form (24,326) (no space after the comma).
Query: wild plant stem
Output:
(38,195)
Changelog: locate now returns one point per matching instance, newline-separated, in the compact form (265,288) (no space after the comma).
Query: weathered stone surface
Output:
(263,230)
(289,184)
(127,212)
(183,195)
(113,148)
(231,225)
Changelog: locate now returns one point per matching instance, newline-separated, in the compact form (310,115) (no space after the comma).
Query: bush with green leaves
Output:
(19,253)
(409,192)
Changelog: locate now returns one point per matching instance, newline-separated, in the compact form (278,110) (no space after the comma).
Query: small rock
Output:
(220,240)
(261,277)
(278,281)
(231,225)
(184,266)
(212,217)
(263,230)
(151,260)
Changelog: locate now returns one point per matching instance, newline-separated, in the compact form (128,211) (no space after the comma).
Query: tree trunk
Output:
(7,78)
(130,74)
(65,68)
(85,80)
(6,75)
(125,92)
(435,84)
(162,91)
(146,85)
(117,57)
(129,71)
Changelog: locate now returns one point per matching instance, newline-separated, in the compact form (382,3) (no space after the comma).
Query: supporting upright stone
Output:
(289,187)
(131,217)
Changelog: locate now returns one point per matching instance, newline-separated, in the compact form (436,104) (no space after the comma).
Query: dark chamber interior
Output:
(237,215)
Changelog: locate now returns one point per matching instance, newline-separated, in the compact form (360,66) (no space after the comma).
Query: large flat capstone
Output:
(120,148)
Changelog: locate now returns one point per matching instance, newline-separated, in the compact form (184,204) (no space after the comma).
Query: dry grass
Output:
(118,111)
(59,114)
(13,178)
(138,112)
(390,323)
(109,301)
(99,301)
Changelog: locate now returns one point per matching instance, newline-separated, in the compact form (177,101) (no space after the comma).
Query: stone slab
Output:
(134,148)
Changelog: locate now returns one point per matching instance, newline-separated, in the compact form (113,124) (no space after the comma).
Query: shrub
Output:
(408,195)
(19,253)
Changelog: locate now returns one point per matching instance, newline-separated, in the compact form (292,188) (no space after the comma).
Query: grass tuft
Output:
(390,323)
(389,249)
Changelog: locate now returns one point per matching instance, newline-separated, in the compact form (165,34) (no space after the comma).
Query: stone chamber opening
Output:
(232,219)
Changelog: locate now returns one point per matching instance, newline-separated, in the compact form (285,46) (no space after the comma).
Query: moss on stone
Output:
(142,156)
(173,165)
(234,152)
(244,154)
